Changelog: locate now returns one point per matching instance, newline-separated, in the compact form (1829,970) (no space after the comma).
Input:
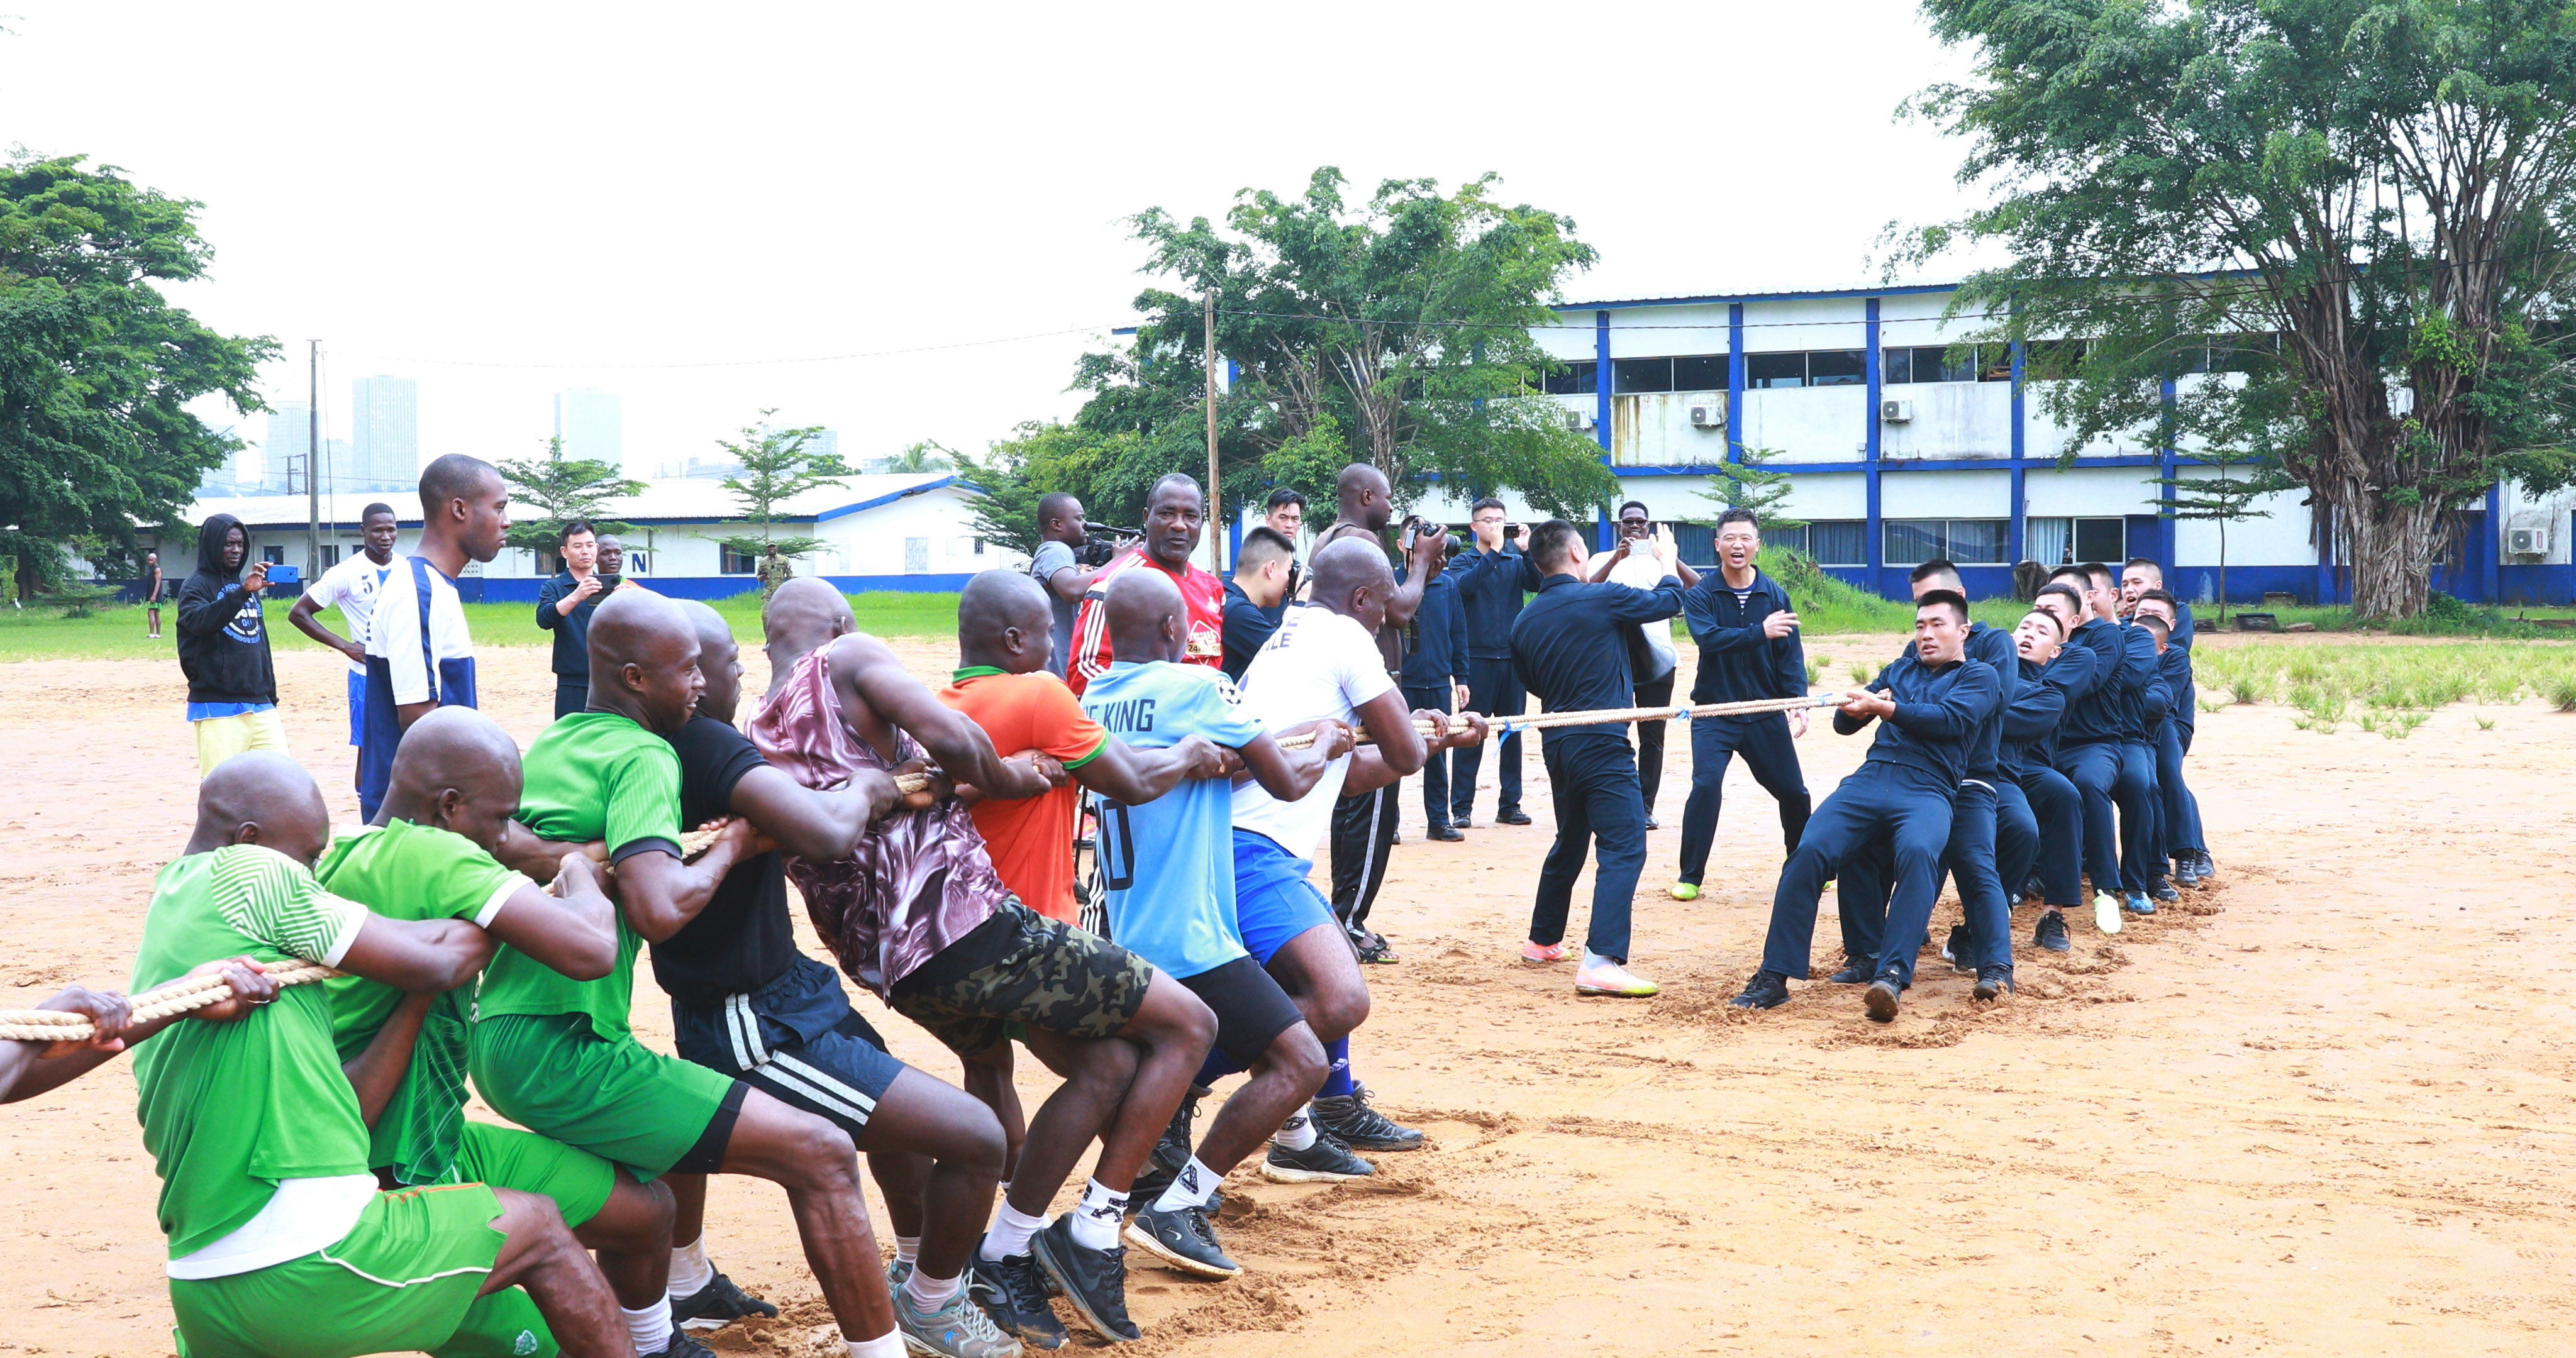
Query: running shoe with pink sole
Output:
(1545,952)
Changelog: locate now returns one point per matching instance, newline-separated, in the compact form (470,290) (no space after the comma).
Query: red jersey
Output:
(1202,598)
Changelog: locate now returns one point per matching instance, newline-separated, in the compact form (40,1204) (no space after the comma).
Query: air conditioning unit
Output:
(1578,419)
(2526,542)
(1709,411)
(1896,412)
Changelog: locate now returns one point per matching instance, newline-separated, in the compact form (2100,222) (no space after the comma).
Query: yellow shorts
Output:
(220,738)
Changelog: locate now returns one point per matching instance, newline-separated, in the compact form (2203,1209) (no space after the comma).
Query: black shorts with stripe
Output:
(796,1039)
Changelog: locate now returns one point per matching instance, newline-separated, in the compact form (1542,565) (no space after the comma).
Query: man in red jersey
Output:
(1173,514)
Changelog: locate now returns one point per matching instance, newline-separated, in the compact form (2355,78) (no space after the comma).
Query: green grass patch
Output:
(2395,685)
(115,631)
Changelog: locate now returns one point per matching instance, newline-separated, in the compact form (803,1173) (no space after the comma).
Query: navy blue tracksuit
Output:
(1861,891)
(2054,808)
(2091,745)
(1490,585)
(2180,824)
(1570,644)
(1902,791)
(1436,658)
(1737,663)
(2141,821)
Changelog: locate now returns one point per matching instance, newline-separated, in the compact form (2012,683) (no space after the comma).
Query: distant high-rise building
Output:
(384,436)
(591,425)
(696,469)
(281,454)
(824,443)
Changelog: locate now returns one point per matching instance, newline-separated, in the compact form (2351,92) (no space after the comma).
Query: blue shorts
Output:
(357,708)
(796,1039)
(1273,901)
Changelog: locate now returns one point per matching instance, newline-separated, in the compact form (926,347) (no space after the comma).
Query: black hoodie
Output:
(223,642)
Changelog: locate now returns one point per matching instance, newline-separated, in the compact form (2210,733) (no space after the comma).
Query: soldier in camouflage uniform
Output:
(918,915)
(775,570)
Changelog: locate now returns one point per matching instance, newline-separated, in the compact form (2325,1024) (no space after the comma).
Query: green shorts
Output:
(505,1157)
(617,1100)
(401,1281)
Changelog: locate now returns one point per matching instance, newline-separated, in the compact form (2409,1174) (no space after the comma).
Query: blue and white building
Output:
(1898,454)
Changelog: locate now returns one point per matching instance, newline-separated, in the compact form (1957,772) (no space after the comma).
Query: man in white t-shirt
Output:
(352,587)
(1322,664)
(1653,666)
(420,654)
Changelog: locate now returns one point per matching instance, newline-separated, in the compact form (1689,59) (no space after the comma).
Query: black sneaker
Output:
(717,1305)
(2208,868)
(2051,933)
(1854,972)
(1095,1281)
(2162,889)
(1014,1293)
(1443,833)
(2034,890)
(1182,1237)
(1880,999)
(1515,816)
(1993,980)
(1956,951)
(683,1346)
(1327,1161)
(1349,1119)
(1652,823)
(1172,1153)
(1767,990)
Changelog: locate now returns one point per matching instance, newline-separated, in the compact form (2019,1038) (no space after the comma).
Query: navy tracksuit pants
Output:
(2142,814)
(2059,810)
(1906,805)
(2016,838)
(2105,775)
(1435,770)
(2182,810)
(1593,782)
(1769,754)
(1495,690)
(1861,891)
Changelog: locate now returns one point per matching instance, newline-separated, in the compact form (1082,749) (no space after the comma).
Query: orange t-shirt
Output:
(1031,841)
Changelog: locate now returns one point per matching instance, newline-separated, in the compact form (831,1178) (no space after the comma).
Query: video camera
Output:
(1416,526)
(1102,543)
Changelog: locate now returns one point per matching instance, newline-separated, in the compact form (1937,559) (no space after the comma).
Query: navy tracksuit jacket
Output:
(1737,663)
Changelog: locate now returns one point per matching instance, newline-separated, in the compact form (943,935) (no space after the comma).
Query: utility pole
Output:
(313,466)
(1216,540)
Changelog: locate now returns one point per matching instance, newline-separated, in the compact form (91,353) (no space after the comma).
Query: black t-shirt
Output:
(743,939)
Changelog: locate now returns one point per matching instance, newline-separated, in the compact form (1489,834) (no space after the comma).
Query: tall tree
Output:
(928,455)
(1747,484)
(561,490)
(2352,214)
(1019,471)
(1394,331)
(776,467)
(97,369)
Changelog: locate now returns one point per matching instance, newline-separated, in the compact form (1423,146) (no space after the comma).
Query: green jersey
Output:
(592,775)
(412,872)
(232,1110)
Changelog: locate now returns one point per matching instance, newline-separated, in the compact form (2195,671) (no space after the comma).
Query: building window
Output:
(2068,542)
(1572,379)
(1700,372)
(979,546)
(731,562)
(1775,370)
(2104,540)
(275,556)
(1641,374)
(1837,367)
(1934,363)
(1967,542)
(1827,542)
(916,556)
(330,555)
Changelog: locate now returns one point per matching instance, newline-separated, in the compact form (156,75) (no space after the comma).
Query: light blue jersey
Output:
(1169,864)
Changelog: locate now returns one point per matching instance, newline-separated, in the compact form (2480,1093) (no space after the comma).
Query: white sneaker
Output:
(2106,912)
(1601,976)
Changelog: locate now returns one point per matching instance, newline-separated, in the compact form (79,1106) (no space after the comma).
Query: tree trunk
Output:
(2388,549)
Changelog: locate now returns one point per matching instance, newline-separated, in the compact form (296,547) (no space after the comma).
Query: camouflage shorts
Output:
(1022,967)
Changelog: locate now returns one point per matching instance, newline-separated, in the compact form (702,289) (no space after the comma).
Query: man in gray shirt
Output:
(1059,571)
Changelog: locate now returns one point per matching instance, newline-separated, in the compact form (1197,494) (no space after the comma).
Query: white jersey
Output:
(423,667)
(1639,570)
(352,587)
(1318,664)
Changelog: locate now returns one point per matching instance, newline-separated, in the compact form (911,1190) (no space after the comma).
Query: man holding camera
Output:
(1066,563)
(1650,649)
(1491,586)
(564,606)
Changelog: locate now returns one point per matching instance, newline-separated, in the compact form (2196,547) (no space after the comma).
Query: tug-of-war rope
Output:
(179,997)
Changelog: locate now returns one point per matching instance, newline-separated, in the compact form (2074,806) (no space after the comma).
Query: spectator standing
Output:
(1650,650)
(223,648)
(152,598)
(420,654)
(775,570)
(352,586)
(1056,568)
(1491,590)
(1435,677)
(1257,597)
(564,606)
(1284,513)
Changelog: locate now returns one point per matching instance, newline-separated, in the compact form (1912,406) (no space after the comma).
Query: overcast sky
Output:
(505,201)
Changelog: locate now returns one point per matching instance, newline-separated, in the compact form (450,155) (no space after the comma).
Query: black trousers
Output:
(1435,770)
(1594,791)
(1769,753)
(1494,689)
(1363,835)
(1650,739)
(571,695)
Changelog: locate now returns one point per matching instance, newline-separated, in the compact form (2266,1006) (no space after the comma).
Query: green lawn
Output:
(116,632)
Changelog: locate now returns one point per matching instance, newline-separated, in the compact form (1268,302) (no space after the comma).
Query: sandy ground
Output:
(2320,1110)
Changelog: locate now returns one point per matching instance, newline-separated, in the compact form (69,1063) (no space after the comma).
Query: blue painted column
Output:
(2325,554)
(1735,382)
(1234,534)
(1601,387)
(2165,468)
(1873,526)
(2018,549)
(2491,571)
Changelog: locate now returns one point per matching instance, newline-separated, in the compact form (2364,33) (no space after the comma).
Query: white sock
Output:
(1593,960)
(928,1293)
(1096,1221)
(1192,1187)
(1010,1234)
(650,1328)
(887,1345)
(907,1248)
(690,1271)
(1297,1133)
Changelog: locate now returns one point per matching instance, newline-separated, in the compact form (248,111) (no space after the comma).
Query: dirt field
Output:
(2321,1110)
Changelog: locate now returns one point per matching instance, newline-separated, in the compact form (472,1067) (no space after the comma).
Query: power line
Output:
(733,362)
